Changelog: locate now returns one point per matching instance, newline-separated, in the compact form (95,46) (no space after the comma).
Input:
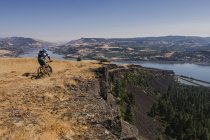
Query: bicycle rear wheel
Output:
(40,71)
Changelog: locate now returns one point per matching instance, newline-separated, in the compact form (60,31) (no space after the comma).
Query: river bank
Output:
(200,72)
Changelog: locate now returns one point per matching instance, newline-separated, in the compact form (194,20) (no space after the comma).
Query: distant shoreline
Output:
(164,62)
(18,54)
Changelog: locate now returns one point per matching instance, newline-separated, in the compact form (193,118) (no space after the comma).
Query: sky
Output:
(65,20)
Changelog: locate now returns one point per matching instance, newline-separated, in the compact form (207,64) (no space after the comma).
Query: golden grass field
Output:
(27,106)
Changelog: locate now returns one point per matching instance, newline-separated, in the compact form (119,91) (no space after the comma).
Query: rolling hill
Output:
(13,46)
(167,48)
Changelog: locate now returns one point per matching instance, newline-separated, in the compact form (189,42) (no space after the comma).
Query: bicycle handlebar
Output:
(48,61)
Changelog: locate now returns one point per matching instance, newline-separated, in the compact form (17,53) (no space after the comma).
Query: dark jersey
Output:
(42,55)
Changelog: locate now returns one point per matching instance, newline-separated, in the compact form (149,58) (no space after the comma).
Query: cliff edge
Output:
(67,105)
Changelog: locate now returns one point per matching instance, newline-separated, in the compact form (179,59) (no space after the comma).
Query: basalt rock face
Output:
(99,107)
(95,108)
(93,111)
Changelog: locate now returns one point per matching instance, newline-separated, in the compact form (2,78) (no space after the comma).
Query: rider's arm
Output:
(48,56)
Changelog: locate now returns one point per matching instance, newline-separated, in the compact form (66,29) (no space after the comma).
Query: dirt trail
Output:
(41,108)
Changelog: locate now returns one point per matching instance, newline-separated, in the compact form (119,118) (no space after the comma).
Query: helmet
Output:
(44,50)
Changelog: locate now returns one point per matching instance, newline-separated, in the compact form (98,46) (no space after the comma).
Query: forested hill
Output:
(186,111)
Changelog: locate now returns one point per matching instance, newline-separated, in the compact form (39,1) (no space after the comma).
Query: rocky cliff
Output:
(81,100)
(132,90)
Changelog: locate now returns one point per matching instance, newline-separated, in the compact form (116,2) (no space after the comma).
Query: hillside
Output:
(14,46)
(167,48)
(187,49)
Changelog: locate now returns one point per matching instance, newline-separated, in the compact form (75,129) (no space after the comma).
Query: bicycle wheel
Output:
(49,70)
(40,71)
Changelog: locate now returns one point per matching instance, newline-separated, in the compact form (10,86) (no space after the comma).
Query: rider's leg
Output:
(43,64)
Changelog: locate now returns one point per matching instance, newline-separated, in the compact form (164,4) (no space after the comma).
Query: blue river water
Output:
(34,53)
(200,72)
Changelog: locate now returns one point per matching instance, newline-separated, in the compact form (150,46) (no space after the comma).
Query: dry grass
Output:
(43,98)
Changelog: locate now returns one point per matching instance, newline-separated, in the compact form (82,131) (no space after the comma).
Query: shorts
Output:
(41,62)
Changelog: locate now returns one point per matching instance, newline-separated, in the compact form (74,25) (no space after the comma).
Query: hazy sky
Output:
(64,20)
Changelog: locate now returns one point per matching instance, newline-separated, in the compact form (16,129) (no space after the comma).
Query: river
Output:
(34,53)
(200,72)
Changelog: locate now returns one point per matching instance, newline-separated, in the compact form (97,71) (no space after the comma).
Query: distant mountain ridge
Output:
(141,40)
(19,45)
(164,48)
(169,48)
(23,42)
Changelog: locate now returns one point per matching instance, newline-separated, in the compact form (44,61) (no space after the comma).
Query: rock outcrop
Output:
(109,74)
(97,107)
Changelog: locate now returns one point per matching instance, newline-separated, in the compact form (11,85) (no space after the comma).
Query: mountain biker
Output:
(41,57)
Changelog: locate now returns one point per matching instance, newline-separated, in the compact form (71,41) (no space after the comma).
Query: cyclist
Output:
(42,56)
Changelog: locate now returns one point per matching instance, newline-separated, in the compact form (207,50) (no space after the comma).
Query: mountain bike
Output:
(44,70)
